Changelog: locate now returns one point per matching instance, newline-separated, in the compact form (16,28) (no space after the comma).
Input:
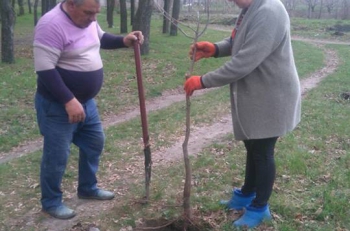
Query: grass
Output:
(163,69)
(321,28)
(313,176)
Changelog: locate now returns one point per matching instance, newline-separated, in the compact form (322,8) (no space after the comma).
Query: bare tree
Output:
(29,7)
(21,7)
(330,5)
(345,9)
(290,6)
(110,11)
(320,10)
(188,170)
(123,17)
(47,5)
(166,21)
(311,4)
(132,11)
(175,16)
(36,3)
(7,24)
(142,22)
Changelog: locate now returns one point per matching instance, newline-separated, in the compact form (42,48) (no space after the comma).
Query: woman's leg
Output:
(260,169)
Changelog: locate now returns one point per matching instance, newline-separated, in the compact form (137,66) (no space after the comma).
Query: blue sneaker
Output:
(253,217)
(238,200)
(61,212)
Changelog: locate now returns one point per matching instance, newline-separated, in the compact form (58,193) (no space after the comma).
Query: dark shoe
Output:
(61,212)
(253,217)
(100,194)
(238,200)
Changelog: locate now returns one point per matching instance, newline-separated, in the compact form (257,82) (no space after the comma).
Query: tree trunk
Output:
(36,3)
(166,21)
(110,12)
(175,15)
(123,17)
(142,22)
(43,7)
(21,8)
(29,7)
(7,24)
(321,9)
(345,13)
(47,5)
(132,12)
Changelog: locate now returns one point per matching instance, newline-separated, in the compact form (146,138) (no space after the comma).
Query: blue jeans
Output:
(58,135)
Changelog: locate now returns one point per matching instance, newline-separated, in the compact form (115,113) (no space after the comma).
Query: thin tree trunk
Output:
(175,15)
(36,3)
(29,7)
(166,22)
(110,11)
(123,17)
(142,22)
(21,8)
(132,12)
(47,5)
(321,9)
(43,7)
(7,24)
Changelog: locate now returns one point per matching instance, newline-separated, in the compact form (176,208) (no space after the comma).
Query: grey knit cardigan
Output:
(264,83)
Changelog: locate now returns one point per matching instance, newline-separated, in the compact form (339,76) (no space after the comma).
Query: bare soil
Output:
(200,138)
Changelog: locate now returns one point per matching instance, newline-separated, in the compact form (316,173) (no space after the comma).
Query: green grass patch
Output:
(163,69)
(321,28)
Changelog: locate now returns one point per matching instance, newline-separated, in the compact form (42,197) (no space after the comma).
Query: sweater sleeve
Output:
(266,31)
(110,41)
(54,84)
(223,48)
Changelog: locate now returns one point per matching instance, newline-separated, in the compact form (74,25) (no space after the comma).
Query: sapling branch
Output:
(197,33)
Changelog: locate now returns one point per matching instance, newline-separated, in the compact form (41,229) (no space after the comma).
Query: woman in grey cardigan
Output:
(265,95)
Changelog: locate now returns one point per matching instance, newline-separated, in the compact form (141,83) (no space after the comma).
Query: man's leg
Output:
(90,140)
(57,132)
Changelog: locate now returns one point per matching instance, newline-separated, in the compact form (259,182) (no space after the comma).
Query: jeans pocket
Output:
(53,109)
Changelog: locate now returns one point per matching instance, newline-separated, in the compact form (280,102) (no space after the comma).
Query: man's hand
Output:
(132,37)
(75,111)
(193,83)
(203,50)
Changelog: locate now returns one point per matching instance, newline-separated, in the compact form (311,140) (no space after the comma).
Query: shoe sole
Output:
(95,198)
(59,217)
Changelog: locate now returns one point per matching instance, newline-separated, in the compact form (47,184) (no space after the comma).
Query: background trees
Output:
(180,9)
(110,11)
(7,24)
(142,22)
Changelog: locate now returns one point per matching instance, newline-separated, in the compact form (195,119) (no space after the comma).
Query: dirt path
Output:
(200,138)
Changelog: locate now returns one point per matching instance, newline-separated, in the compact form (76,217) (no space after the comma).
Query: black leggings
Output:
(260,169)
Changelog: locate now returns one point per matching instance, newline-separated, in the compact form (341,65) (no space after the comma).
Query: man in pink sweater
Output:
(67,44)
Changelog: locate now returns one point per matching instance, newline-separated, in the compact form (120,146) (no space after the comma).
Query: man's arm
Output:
(110,41)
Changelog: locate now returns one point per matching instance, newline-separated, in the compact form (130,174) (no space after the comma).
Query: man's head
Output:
(82,12)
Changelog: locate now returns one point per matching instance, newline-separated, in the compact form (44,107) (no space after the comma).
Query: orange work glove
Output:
(203,50)
(193,83)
